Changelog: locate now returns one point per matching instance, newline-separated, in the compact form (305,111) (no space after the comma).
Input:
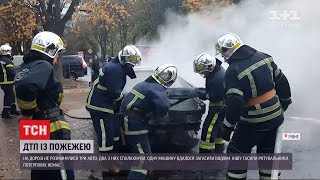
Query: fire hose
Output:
(74,117)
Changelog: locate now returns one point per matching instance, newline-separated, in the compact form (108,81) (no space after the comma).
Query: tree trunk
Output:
(16,48)
(112,49)
(103,51)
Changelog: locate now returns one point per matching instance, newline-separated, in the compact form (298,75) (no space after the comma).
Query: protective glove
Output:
(285,104)
(226,132)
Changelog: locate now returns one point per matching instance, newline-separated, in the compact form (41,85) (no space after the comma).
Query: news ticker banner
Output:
(37,151)
(123,161)
(56,146)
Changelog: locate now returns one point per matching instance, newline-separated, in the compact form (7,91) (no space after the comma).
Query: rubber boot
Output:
(14,111)
(6,114)
(205,151)
(219,148)
(107,175)
(205,174)
(219,143)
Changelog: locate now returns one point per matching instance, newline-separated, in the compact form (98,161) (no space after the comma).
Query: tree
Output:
(20,20)
(144,20)
(80,40)
(104,16)
(147,16)
(197,5)
(51,13)
(17,24)
(51,16)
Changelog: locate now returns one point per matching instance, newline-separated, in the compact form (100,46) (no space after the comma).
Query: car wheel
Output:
(73,76)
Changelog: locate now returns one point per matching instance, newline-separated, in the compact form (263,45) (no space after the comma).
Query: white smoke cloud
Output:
(292,41)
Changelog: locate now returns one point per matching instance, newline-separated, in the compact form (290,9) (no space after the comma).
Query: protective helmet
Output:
(166,75)
(47,43)
(5,49)
(130,54)
(204,63)
(227,44)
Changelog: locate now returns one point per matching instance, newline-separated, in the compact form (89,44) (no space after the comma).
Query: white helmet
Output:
(204,63)
(47,43)
(5,49)
(227,44)
(130,54)
(166,75)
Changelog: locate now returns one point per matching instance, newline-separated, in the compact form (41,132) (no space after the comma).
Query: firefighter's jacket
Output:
(37,87)
(107,88)
(147,98)
(215,86)
(251,74)
(39,93)
(7,71)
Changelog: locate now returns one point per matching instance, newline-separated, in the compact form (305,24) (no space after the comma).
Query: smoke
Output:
(287,30)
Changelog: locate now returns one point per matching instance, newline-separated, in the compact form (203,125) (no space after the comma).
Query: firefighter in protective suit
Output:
(105,98)
(211,69)
(7,73)
(39,93)
(257,95)
(146,100)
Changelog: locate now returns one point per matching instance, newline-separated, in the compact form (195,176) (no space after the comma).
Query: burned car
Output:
(177,130)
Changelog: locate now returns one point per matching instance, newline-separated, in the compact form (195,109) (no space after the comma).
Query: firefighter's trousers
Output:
(9,97)
(210,135)
(94,76)
(59,130)
(136,135)
(243,140)
(107,128)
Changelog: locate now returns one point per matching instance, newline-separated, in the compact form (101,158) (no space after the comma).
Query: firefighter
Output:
(95,67)
(39,93)
(146,100)
(105,98)
(7,73)
(257,95)
(211,69)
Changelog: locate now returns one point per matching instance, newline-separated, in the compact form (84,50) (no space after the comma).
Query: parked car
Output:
(74,66)
(175,133)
